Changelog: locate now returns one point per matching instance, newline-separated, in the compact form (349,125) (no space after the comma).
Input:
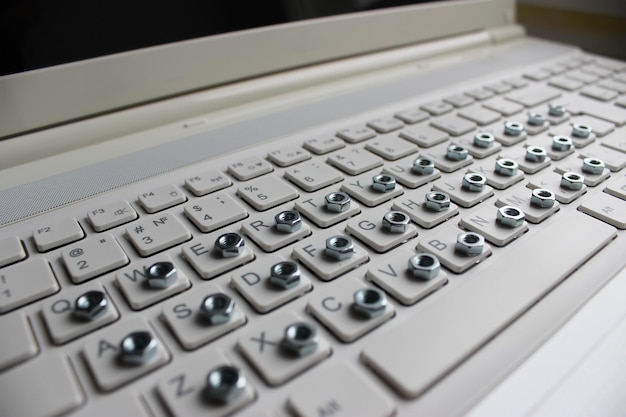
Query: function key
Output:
(323,144)
(249,168)
(110,215)
(207,182)
(161,198)
(11,251)
(57,234)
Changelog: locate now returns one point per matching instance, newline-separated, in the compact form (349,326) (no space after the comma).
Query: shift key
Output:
(430,344)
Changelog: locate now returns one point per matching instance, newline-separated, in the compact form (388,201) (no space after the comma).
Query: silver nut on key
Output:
(542,198)
(369,302)
(536,119)
(288,221)
(474,182)
(506,167)
(536,154)
(217,308)
(138,348)
(383,183)
(224,384)
(162,275)
(581,130)
(337,202)
(395,222)
(424,266)
(456,153)
(572,181)
(423,166)
(484,139)
(437,201)
(510,216)
(285,274)
(513,128)
(339,247)
(300,339)
(470,243)
(229,245)
(562,143)
(593,166)
(90,305)
(556,110)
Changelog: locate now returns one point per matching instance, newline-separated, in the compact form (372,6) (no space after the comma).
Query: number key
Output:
(93,257)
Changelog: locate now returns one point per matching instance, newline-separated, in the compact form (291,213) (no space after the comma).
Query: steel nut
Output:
(556,110)
(337,202)
(217,308)
(542,198)
(225,384)
(513,128)
(581,130)
(230,245)
(423,166)
(339,247)
(474,182)
(138,348)
(288,221)
(484,139)
(285,274)
(437,201)
(470,243)
(162,275)
(369,302)
(424,266)
(90,305)
(536,119)
(593,166)
(510,216)
(506,167)
(572,181)
(300,339)
(456,153)
(396,221)
(536,154)
(383,183)
(562,143)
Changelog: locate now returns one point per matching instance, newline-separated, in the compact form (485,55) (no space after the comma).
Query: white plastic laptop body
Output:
(381,213)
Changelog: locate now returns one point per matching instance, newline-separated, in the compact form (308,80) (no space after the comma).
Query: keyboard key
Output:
(354,161)
(262,348)
(267,192)
(25,282)
(414,206)
(438,154)
(313,176)
(333,307)
(479,115)
(45,387)
(552,182)
(356,134)
(162,198)
(537,75)
(207,182)
(521,197)
(391,148)
(424,135)
(613,85)
(249,168)
(206,262)
(597,70)
(437,108)
(467,141)
(606,208)
(360,188)
(330,397)
(533,96)
(484,221)
(504,107)
(412,116)
(495,179)
(213,212)
(18,343)
(499,88)
(157,234)
(459,195)
(385,125)
(453,125)
(459,100)
(480,93)
(288,156)
(92,257)
(368,229)
(262,230)
(323,145)
(598,93)
(314,208)
(615,161)
(111,215)
(402,171)
(11,250)
(604,111)
(617,188)
(516,82)
(119,405)
(583,77)
(510,288)
(575,166)
(565,83)
(57,234)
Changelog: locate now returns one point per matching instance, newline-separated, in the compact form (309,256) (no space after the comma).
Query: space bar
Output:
(419,351)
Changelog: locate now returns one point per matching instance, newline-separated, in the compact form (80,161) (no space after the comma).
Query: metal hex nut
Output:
(437,201)
(510,216)
(90,305)
(556,110)
(230,245)
(484,139)
(562,143)
(423,166)
(383,183)
(506,167)
(288,221)
(396,221)
(572,181)
(470,243)
(285,274)
(339,247)
(162,275)
(513,128)
(424,266)
(369,302)
(300,339)
(474,182)
(217,308)
(593,166)
(456,153)
(581,130)
(225,384)
(542,197)
(536,119)
(536,154)
(138,348)
(337,202)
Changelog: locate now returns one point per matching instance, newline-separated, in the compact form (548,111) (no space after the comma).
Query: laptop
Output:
(310,209)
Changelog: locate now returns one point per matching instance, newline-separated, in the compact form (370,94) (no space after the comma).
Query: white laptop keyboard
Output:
(267,281)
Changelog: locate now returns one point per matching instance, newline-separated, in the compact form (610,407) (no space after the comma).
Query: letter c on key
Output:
(331,304)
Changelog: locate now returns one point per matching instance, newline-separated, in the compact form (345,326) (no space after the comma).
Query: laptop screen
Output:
(41,33)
